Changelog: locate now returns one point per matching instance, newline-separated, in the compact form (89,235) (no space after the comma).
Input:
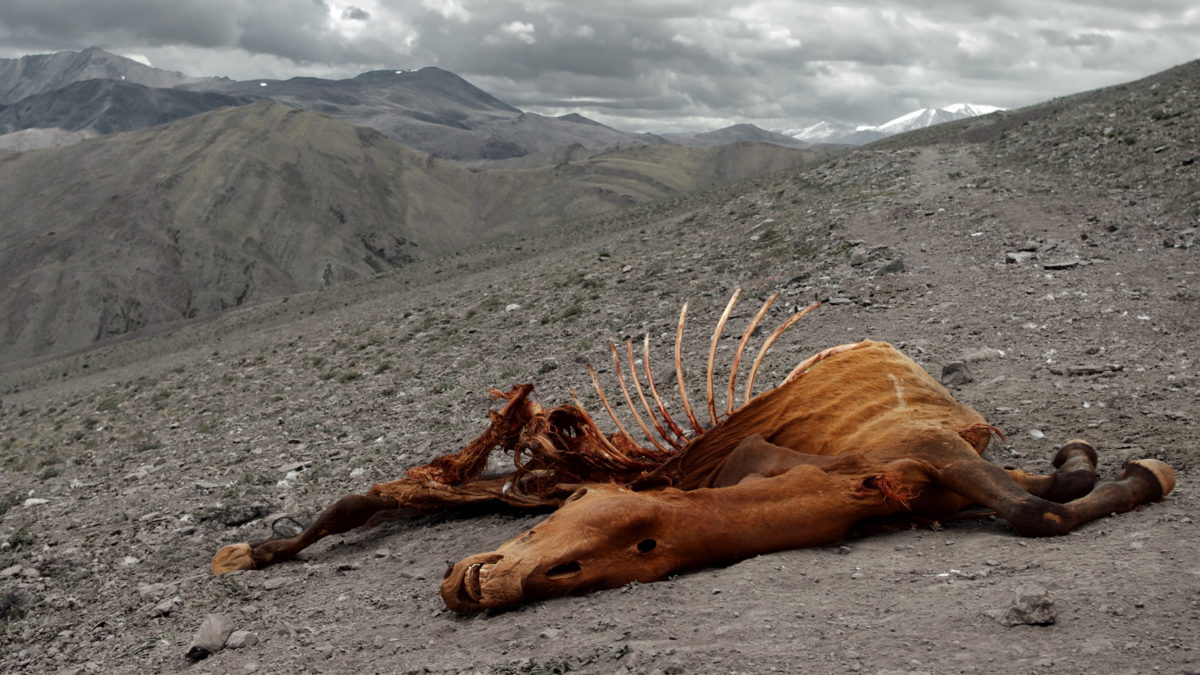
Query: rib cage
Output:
(712,410)
(555,451)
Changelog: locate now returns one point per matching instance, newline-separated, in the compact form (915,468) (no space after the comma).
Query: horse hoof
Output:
(231,559)
(1161,472)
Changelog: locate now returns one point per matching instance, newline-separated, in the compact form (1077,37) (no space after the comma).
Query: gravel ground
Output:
(127,467)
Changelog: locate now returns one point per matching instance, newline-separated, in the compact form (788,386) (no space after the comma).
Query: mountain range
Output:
(428,109)
(861,134)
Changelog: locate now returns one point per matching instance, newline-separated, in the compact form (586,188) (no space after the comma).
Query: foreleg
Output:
(345,514)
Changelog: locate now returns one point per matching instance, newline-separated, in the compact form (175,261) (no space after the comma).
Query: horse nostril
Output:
(563,571)
(647,545)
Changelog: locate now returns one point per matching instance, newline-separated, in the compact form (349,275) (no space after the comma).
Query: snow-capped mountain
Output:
(860,134)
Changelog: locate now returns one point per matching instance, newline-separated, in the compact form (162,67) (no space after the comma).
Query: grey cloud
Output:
(657,63)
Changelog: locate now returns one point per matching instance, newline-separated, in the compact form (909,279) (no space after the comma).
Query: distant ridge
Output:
(734,134)
(432,110)
(109,106)
(861,134)
(40,73)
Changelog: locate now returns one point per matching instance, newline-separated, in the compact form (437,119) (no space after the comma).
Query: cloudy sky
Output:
(652,65)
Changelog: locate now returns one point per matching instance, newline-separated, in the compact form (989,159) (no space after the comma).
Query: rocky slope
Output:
(128,466)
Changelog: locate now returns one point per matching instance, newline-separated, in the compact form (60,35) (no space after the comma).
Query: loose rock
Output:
(211,637)
(241,638)
(1032,606)
(956,373)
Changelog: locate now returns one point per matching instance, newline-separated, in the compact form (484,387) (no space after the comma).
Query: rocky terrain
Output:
(1051,249)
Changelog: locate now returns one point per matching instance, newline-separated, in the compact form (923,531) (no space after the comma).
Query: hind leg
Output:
(982,482)
(1074,475)
(345,514)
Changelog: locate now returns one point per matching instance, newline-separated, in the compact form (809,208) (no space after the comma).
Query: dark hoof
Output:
(1075,448)
(1152,479)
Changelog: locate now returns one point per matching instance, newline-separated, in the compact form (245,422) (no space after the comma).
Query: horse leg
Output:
(1074,475)
(1144,480)
(345,514)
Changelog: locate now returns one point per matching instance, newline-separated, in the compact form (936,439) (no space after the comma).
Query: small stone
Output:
(991,563)
(1016,258)
(840,301)
(211,637)
(550,633)
(276,582)
(716,591)
(984,354)
(1036,433)
(856,575)
(10,571)
(241,638)
(1065,265)
(843,550)
(165,607)
(857,257)
(382,553)
(895,266)
(1032,606)
(205,485)
(240,514)
(956,373)
(512,308)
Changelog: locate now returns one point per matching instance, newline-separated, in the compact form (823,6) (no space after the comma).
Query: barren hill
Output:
(126,467)
(244,204)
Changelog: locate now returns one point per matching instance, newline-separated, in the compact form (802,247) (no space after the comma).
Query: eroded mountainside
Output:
(240,205)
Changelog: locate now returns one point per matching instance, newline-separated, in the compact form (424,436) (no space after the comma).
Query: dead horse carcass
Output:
(855,434)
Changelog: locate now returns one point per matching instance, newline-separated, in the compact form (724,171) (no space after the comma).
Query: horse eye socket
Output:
(647,545)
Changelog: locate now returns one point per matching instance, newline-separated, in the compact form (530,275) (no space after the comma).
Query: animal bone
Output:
(856,436)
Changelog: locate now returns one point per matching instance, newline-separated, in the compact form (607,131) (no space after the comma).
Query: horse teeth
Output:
(471,582)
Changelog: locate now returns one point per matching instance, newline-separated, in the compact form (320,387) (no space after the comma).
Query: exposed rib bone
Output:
(687,408)
(737,357)
(604,400)
(767,345)
(637,383)
(613,452)
(812,360)
(629,400)
(654,392)
(712,353)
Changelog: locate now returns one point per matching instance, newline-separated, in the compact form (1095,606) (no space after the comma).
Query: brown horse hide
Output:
(864,433)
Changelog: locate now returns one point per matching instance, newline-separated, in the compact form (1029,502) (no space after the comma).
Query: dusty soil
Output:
(143,451)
